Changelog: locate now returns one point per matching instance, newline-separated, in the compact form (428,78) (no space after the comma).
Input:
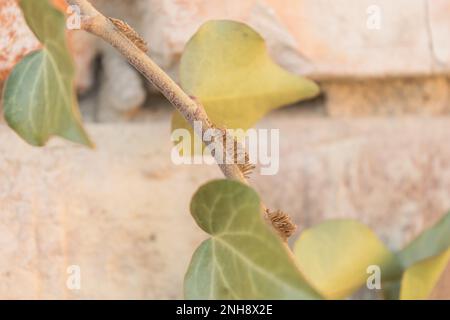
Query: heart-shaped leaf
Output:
(39,96)
(226,66)
(335,257)
(244,258)
(421,278)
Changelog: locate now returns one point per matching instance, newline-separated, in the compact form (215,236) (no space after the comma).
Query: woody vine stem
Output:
(133,48)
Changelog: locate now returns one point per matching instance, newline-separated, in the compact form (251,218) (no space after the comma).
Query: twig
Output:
(132,47)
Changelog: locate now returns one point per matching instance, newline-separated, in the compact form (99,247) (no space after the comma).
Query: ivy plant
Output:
(226,67)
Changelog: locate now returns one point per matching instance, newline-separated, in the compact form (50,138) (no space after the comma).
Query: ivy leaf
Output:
(421,278)
(243,259)
(226,66)
(430,243)
(442,289)
(336,254)
(39,96)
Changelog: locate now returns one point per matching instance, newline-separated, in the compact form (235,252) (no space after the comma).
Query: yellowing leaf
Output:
(243,259)
(429,243)
(39,97)
(226,67)
(442,289)
(432,242)
(336,254)
(420,279)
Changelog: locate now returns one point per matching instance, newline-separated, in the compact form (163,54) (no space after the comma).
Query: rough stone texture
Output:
(387,97)
(15,37)
(17,40)
(121,212)
(335,37)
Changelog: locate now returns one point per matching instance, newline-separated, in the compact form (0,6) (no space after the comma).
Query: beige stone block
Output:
(392,174)
(115,212)
(322,38)
(387,97)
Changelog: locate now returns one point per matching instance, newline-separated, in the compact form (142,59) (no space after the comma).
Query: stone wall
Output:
(121,212)
(388,97)
(333,41)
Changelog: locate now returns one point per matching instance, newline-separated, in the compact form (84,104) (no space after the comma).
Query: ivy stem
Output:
(96,23)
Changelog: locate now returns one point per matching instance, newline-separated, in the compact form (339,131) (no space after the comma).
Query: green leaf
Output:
(226,66)
(39,96)
(244,258)
(430,243)
(421,278)
(335,256)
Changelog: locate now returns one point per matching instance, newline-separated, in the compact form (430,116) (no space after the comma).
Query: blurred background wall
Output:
(374,146)
(349,45)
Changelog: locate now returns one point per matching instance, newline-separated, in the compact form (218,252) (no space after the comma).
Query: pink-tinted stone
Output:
(16,39)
